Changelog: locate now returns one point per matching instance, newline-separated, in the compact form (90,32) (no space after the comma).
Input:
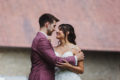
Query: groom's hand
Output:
(64,65)
(80,56)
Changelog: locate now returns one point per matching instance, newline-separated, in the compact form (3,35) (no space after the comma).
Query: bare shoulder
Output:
(76,49)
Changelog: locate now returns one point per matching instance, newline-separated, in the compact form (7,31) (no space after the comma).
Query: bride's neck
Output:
(64,42)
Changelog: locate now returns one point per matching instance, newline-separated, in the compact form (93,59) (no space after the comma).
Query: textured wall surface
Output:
(14,62)
(96,22)
(101,66)
(98,65)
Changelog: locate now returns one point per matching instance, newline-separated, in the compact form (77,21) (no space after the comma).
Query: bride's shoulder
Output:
(76,49)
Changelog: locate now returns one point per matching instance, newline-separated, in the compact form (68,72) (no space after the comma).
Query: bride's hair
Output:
(68,28)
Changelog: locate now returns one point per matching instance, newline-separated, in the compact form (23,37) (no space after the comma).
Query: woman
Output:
(67,47)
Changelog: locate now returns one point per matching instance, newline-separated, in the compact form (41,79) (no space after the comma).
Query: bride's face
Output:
(60,34)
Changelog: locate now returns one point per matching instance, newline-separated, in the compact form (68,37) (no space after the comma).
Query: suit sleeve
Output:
(46,51)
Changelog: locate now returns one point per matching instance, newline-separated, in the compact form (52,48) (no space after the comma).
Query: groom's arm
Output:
(46,51)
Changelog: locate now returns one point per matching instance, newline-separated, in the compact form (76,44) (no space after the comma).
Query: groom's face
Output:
(51,28)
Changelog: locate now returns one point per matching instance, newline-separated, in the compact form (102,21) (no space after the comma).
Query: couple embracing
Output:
(63,62)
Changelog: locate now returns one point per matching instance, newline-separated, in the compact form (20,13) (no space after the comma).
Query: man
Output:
(43,57)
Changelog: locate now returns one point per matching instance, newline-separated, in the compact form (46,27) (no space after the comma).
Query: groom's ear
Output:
(46,24)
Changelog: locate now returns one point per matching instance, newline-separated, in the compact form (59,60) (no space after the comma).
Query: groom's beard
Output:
(49,32)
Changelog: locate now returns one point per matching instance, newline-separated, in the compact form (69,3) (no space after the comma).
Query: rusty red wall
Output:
(96,22)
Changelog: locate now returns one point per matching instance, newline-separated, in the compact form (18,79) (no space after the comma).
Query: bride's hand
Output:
(64,65)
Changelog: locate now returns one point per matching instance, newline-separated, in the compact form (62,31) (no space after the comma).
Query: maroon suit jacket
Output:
(43,59)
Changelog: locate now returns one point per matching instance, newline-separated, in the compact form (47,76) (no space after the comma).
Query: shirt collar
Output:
(44,33)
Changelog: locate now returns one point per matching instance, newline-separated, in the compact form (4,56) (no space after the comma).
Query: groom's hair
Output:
(47,18)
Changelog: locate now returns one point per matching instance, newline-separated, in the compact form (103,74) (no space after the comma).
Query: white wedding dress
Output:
(62,74)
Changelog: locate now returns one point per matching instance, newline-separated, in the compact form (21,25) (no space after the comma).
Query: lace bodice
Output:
(66,54)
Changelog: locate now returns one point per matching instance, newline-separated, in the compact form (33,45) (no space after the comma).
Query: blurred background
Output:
(96,24)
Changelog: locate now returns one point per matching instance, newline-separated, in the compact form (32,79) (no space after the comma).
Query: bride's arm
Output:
(79,69)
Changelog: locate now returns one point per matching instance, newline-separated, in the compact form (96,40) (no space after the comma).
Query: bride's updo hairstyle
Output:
(68,28)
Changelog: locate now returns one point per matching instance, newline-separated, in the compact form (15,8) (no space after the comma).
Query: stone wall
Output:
(98,65)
